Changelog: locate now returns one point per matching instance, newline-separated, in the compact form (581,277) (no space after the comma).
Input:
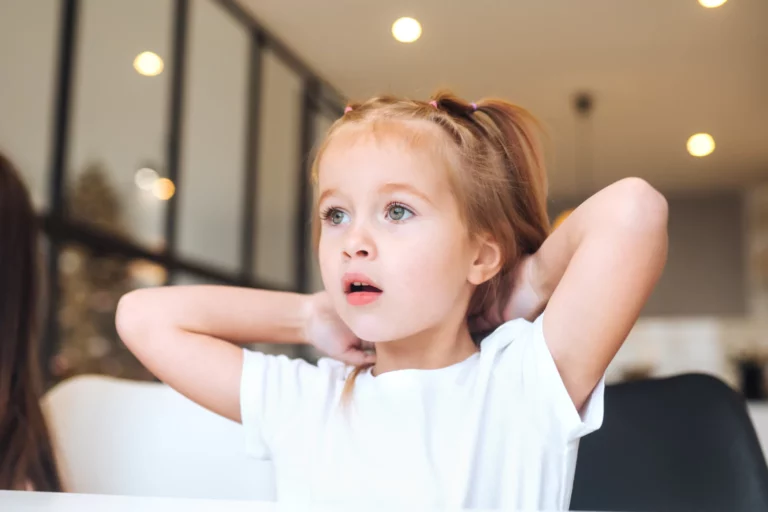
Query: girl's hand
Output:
(526,300)
(328,333)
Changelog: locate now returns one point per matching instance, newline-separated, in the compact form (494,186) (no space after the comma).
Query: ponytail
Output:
(349,383)
(517,136)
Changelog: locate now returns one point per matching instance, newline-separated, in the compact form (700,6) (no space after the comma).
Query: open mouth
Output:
(360,291)
(360,287)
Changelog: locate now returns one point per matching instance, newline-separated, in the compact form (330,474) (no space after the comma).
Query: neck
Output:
(438,347)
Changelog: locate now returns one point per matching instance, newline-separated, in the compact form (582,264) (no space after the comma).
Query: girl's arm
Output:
(594,273)
(186,335)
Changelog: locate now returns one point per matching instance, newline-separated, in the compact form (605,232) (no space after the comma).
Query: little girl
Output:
(431,226)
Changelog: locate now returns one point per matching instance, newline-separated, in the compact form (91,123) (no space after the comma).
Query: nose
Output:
(359,244)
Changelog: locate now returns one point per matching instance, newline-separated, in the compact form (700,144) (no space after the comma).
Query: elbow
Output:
(641,208)
(132,317)
(641,223)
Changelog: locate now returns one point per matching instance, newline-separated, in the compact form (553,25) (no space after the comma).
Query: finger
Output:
(358,358)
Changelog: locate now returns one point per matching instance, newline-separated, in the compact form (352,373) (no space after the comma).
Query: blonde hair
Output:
(496,168)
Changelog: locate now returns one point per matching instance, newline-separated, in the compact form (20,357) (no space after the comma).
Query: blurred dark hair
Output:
(26,455)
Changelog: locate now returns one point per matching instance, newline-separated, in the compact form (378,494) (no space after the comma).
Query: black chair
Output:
(680,444)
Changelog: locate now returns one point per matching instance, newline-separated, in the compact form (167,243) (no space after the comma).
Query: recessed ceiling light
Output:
(711,4)
(148,64)
(406,30)
(701,144)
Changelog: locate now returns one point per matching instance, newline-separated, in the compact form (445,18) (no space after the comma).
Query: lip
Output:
(359,298)
(356,277)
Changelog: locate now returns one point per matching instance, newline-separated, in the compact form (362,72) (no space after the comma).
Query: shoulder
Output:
(522,364)
(517,350)
(284,367)
(260,361)
(515,332)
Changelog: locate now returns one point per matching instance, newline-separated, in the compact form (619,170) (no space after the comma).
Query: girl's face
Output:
(390,221)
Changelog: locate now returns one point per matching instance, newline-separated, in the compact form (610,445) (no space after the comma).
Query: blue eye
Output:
(335,216)
(398,212)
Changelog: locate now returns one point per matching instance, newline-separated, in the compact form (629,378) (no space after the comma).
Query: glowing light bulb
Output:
(406,30)
(701,144)
(148,64)
(711,4)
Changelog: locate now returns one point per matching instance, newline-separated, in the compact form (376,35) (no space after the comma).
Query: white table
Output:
(18,501)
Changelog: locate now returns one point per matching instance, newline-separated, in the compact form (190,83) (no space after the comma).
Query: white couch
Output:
(115,436)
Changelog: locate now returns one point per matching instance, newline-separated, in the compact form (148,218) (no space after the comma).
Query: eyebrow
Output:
(326,193)
(404,187)
(387,188)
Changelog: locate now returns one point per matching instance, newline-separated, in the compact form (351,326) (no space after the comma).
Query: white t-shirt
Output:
(497,430)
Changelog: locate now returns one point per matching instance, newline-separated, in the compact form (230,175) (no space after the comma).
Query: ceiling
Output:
(659,71)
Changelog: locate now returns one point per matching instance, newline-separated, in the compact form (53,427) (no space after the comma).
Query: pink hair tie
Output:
(474,106)
(347,109)
(433,103)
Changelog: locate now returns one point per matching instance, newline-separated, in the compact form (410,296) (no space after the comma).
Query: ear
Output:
(487,261)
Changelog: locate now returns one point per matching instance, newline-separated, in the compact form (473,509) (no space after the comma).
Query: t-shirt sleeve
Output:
(271,392)
(528,365)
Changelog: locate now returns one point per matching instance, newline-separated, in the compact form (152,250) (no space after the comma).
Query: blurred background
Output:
(167,142)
